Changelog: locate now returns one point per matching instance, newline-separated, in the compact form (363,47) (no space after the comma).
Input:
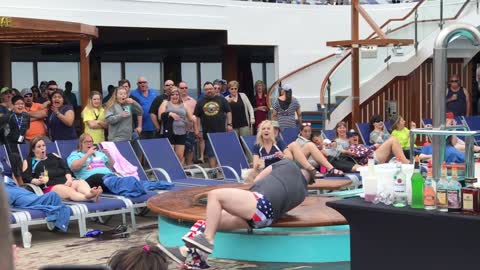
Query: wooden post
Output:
(229,63)
(355,65)
(5,66)
(84,71)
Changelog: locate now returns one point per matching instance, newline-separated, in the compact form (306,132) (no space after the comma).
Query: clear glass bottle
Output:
(442,188)
(399,187)
(429,191)
(370,182)
(454,192)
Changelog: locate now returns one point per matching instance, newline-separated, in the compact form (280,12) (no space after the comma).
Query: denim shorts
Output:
(190,142)
(208,148)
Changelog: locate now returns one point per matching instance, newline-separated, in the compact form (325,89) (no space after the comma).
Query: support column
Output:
(172,69)
(84,72)
(355,65)
(229,63)
(5,65)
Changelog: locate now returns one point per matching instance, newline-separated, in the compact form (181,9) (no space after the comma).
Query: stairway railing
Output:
(415,21)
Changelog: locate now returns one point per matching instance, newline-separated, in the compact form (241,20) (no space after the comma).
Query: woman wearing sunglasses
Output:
(458,99)
(378,133)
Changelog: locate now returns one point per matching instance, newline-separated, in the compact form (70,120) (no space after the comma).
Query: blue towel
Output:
(157,185)
(126,186)
(49,203)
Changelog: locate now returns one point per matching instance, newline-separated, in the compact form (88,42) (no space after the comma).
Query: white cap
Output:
(327,141)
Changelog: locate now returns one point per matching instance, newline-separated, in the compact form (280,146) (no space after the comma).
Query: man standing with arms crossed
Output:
(214,115)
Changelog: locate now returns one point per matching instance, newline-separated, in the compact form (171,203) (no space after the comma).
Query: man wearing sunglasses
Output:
(146,96)
(37,115)
(458,98)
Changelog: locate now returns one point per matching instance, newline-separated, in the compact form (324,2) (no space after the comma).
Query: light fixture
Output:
(339,52)
(397,50)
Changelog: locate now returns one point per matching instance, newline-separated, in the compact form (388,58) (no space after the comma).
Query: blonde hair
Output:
(233,83)
(89,105)
(113,99)
(175,89)
(81,139)
(259,133)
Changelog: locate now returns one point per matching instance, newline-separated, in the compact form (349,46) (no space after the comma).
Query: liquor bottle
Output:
(454,192)
(417,185)
(370,182)
(429,191)
(442,187)
(399,187)
(470,198)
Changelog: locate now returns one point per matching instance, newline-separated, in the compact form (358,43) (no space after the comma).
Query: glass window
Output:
(151,72)
(210,72)
(61,72)
(270,74)
(22,75)
(189,75)
(111,74)
(257,72)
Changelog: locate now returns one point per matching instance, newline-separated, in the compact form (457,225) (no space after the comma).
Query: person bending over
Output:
(276,190)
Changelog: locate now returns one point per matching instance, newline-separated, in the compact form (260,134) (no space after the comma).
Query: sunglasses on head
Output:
(306,124)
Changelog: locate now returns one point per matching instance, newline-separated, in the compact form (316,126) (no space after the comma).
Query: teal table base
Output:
(306,244)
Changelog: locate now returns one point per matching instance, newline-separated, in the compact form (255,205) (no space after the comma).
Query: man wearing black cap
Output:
(37,115)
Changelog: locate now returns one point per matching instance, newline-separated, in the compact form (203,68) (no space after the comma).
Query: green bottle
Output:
(417,186)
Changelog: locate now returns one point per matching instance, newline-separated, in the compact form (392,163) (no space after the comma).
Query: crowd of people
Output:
(38,115)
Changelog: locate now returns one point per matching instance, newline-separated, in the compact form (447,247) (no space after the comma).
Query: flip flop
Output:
(334,173)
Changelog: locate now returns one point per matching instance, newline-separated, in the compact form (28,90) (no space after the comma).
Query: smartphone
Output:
(95,145)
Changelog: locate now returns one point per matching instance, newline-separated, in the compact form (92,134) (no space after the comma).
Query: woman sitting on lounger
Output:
(49,172)
(88,163)
(378,133)
(267,151)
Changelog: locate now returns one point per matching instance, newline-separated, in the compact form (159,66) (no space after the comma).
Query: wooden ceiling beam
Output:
(370,42)
(48,25)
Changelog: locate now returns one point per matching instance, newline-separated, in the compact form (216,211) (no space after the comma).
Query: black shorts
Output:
(177,139)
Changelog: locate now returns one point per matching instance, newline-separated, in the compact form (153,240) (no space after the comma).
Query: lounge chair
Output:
(106,206)
(329,134)
(364,130)
(289,135)
(473,124)
(249,143)
(229,153)
(23,149)
(165,165)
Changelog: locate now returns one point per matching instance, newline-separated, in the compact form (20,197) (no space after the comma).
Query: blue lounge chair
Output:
(289,135)
(473,123)
(23,149)
(165,165)
(67,147)
(106,206)
(229,153)
(364,130)
(329,134)
(249,143)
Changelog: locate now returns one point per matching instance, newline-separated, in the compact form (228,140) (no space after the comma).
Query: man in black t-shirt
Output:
(214,115)
(157,102)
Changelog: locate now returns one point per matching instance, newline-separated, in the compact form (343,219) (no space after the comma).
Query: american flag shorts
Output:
(264,213)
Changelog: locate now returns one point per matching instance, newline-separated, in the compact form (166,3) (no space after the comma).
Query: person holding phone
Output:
(118,116)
